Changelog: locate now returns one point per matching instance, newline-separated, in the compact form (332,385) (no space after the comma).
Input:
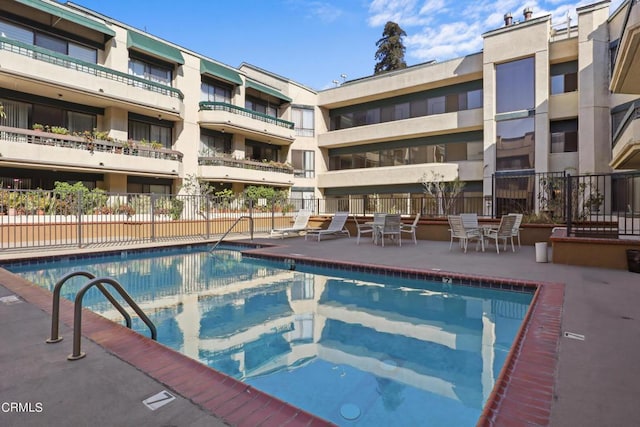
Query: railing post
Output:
(569,202)
(79,218)
(153,217)
(206,216)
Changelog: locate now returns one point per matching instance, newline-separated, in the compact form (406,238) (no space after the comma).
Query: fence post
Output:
(569,202)
(153,217)
(79,218)
(206,216)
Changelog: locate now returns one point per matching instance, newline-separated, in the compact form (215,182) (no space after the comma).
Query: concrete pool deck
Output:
(596,379)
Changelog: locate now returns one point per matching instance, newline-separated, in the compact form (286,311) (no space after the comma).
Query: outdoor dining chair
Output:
(391,228)
(411,228)
(503,232)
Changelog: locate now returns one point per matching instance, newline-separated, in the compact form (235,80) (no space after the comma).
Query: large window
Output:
(214,91)
(438,101)
(48,41)
(149,69)
(515,86)
(150,130)
(303,121)
(214,143)
(564,136)
(515,144)
(564,77)
(261,152)
(261,106)
(304,164)
(24,115)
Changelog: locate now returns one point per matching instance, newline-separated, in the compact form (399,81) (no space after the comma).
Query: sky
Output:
(321,43)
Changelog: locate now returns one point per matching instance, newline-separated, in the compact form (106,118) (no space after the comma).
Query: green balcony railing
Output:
(70,63)
(230,108)
(244,164)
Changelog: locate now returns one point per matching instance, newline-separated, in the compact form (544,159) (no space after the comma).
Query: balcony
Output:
(32,69)
(625,77)
(225,169)
(626,140)
(461,121)
(230,118)
(388,175)
(36,149)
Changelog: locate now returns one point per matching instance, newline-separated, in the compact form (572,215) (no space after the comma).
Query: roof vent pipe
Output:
(527,13)
(508,20)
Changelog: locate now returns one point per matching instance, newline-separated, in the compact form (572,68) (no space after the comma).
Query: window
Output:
(260,106)
(303,121)
(147,130)
(260,151)
(515,144)
(302,198)
(436,105)
(47,41)
(80,122)
(214,143)
(149,70)
(213,91)
(564,136)
(564,77)
(303,162)
(515,86)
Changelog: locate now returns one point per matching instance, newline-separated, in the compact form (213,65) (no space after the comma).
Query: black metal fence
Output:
(605,205)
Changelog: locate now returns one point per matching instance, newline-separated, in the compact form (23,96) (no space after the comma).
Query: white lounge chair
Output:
(336,227)
(463,234)
(503,232)
(516,226)
(411,228)
(299,225)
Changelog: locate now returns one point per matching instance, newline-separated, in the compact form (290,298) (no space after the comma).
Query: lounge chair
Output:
(463,234)
(411,228)
(503,232)
(336,227)
(299,225)
(516,226)
(391,228)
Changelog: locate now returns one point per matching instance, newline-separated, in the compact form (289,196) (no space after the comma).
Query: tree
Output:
(390,53)
(445,193)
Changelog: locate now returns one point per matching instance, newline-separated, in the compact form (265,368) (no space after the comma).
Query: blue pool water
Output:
(355,349)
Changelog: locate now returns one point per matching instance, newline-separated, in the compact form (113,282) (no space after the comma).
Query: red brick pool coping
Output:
(522,395)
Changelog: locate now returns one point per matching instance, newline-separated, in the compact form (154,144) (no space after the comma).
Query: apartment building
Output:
(540,97)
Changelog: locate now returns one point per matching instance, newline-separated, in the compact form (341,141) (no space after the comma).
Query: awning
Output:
(224,73)
(68,15)
(268,90)
(154,47)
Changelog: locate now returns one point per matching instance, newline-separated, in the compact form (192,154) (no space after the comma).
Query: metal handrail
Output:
(55,311)
(231,228)
(77,313)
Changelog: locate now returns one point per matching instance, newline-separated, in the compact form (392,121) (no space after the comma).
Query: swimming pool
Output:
(356,349)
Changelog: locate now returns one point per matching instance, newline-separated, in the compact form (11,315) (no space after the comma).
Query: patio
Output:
(596,380)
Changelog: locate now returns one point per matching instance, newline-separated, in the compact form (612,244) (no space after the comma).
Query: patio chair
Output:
(369,228)
(464,235)
(503,232)
(299,225)
(336,227)
(516,226)
(411,228)
(470,220)
(391,228)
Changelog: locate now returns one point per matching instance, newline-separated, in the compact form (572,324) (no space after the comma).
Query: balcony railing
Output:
(68,62)
(229,108)
(243,164)
(632,113)
(129,148)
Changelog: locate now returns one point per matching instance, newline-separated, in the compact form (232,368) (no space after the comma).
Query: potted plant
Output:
(37,127)
(594,201)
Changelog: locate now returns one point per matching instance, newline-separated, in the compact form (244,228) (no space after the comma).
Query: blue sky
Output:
(314,42)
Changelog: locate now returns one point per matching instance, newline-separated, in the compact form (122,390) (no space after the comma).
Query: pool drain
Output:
(349,411)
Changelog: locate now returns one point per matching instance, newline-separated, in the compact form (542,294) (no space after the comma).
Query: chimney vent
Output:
(508,20)
(527,13)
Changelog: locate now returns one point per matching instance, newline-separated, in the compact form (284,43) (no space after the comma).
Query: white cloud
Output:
(437,29)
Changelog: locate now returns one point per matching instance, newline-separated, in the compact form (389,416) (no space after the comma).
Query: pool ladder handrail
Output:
(231,228)
(77,309)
